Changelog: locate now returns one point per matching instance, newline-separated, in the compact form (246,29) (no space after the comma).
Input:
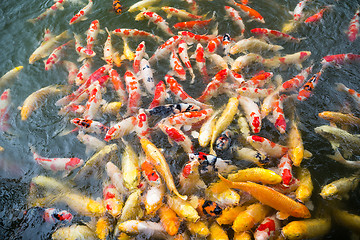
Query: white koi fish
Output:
(81,15)
(146,74)
(58,5)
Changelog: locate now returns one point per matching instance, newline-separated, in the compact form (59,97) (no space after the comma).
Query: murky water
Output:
(18,39)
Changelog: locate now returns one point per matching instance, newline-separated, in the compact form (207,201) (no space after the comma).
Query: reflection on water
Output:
(18,39)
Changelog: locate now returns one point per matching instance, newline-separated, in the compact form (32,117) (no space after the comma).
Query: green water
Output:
(18,39)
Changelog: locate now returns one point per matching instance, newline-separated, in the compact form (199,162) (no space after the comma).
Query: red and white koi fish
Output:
(179,92)
(182,50)
(72,109)
(252,113)
(72,70)
(159,96)
(116,177)
(112,200)
(298,11)
(189,178)
(142,127)
(53,216)
(266,146)
(226,43)
(89,125)
(253,14)
(92,33)
(178,136)
(191,25)
(267,228)
(268,103)
(57,164)
(236,78)
(191,38)
(278,114)
(58,5)
(297,81)
(353,31)
(295,58)
(187,119)
(245,60)
(213,87)
(235,17)
(319,15)
(133,88)
(176,66)
(156,19)
(339,59)
(95,97)
(254,93)
(259,79)
(214,44)
(171,11)
(199,56)
(253,44)
(146,74)
(274,33)
(128,32)
(82,51)
(56,55)
(84,72)
(93,144)
(163,50)
(354,94)
(306,91)
(81,15)
(5,100)
(139,54)
(118,85)
(285,168)
(47,47)
(108,49)
(121,129)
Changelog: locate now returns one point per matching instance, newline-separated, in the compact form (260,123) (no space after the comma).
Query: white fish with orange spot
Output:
(252,113)
(134,91)
(94,102)
(82,51)
(5,101)
(156,19)
(139,55)
(81,15)
(176,135)
(56,55)
(72,69)
(234,15)
(108,49)
(163,50)
(199,56)
(92,34)
(180,13)
(121,128)
(176,66)
(266,146)
(182,50)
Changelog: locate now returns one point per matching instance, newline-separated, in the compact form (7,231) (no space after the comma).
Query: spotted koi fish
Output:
(223,142)
(296,58)
(93,104)
(53,216)
(5,100)
(274,33)
(163,50)
(267,228)
(278,114)
(199,56)
(298,11)
(117,7)
(156,19)
(353,31)
(179,92)
(189,178)
(319,15)
(171,109)
(183,54)
(57,164)
(112,200)
(56,55)
(159,96)
(266,146)
(297,81)
(121,128)
(108,49)
(72,69)
(339,59)
(146,74)
(306,91)
(171,11)
(89,125)
(254,93)
(92,33)
(226,43)
(118,85)
(191,38)
(213,87)
(178,136)
(252,113)
(133,88)
(209,208)
(177,68)
(58,5)
(253,14)
(188,118)
(128,32)
(285,167)
(214,44)
(84,72)
(234,15)
(81,15)
(355,95)
(245,60)
(191,25)
(139,54)
(211,164)
(142,126)
(82,51)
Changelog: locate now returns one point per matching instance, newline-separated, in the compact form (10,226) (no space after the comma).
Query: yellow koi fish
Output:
(217,233)
(260,175)
(199,228)
(254,214)
(130,168)
(305,229)
(182,208)
(340,188)
(13,73)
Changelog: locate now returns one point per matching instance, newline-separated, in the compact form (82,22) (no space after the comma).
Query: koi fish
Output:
(82,51)
(133,88)
(297,81)
(183,208)
(146,74)
(266,146)
(58,5)
(214,44)
(156,19)
(259,79)
(295,145)
(217,232)
(180,13)
(340,188)
(253,44)
(213,87)
(45,49)
(190,25)
(220,193)
(10,75)
(340,118)
(182,50)
(128,32)
(177,69)
(121,129)
(245,60)
(274,33)
(205,132)
(278,114)
(253,214)
(306,91)
(112,200)
(199,56)
(84,72)
(272,198)
(53,215)
(178,136)
(159,96)
(234,15)
(251,155)
(339,59)
(259,175)
(172,109)
(93,144)
(296,58)
(252,113)
(139,54)
(81,15)
(310,228)
(57,164)
(92,33)
(127,53)
(354,26)
(190,37)
(163,50)
(268,103)
(131,209)
(318,16)
(118,85)
(72,69)
(226,43)
(169,220)
(142,4)
(298,10)
(267,228)
(108,49)
(130,168)
(74,231)
(103,227)
(187,119)
(189,178)
(253,14)
(5,100)
(93,104)
(158,160)
(56,55)
(210,163)
(285,167)
(89,125)
(115,176)
(149,228)
(117,7)
(255,93)
(199,228)
(223,142)
(142,127)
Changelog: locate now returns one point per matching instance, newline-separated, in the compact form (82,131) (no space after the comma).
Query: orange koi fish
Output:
(213,87)
(318,16)
(192,24)
(159,96)
(306,91)
(128,32)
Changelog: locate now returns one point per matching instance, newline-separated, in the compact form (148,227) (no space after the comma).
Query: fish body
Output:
(189,178)
(253,214)
(248,11)
(205,132)
(117,7)
(267,228)
(142,227)
(235,17)
(187,119)
(74,232)
(252,113)
(251,155)
(72,69)
(163,50)
(298,10)
(90,125)
(82,51)
(309,228)
(339,59)
(118,85)
(285,167)
(291,59)
(209,163)
(178,136)
(142,4)
(297,81)
(183,208)
(156,19)
(199,56)
(213,87)
(176,66)
(147,77)
(217,232)
(228,215)
(169,220)
(171,109)
(351,92)
(127,52)
(81,15)
(260,175)
(353,31)
(245,60)
(58,5)
(306,91)
(121,128)
(56,55)
(190,25)
(10,75)
(278,114)
(213,44)
(191,38)
(171,11)
(223,142)
(112,200)
(92,33)
(318,16)
(142,128)
(340,118)
(133,88)
(183,54)
(130,168)
(199,228)
(339,188)
(253,44)
(108,50)
(295,145)
(93,104)
(160,95)
(135,33)
(139,54)
(53,215)
(266,146)
(274,34)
